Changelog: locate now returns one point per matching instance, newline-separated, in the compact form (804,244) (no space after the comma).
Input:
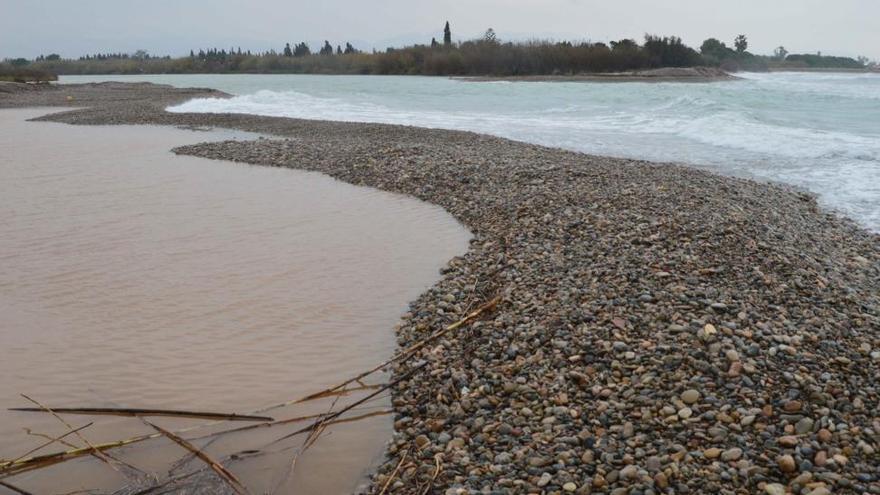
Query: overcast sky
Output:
(74,27)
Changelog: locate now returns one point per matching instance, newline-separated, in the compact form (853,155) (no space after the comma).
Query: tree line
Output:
(486,55)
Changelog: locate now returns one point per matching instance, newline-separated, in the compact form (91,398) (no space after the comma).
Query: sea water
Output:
(816,131)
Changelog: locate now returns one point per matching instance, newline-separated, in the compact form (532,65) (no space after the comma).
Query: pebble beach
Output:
(661,329)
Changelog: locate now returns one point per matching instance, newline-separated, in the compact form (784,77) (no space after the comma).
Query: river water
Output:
(133,277)
(817,131)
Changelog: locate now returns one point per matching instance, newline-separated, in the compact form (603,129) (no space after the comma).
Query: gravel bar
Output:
(662,330)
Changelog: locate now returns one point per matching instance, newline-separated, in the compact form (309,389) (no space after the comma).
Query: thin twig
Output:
(183,461)
(394,473)
(346,391)
(97,453)
(437,469)
(169,481)
(310,439)
(50,442)
(400,356)
(352,405)
(14,488)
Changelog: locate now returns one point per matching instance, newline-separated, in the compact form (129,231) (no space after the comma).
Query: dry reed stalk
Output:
(333,393)
(39,462)
(14,488)
(400,356)
(110,461)
(189,456)
(112,411)
(352,405)
(10,468)
(218,468)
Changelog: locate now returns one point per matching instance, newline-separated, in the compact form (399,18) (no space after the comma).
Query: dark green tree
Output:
(327,49)
(713,46)
(490,36)
(669,51)
(780,53)
(301,50)
(447,35)
(434,43)
(624,44)
(716,51)
(287,50)
(350,49)
(741,44)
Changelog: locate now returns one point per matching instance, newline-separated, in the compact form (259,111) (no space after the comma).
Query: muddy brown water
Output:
(133,277)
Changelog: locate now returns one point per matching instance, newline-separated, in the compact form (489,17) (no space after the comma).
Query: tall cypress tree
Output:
(447,35)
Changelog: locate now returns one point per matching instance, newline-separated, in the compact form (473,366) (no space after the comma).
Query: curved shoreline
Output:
(662,327)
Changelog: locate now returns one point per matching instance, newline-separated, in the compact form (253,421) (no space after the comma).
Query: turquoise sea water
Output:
(818,131)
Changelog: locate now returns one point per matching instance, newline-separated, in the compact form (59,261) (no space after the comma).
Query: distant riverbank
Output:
(659,327)
(683,74)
